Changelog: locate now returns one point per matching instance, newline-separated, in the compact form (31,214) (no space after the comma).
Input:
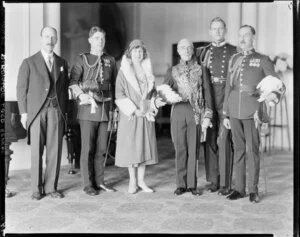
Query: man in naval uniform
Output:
(246,69)
(92,82)
(218,145)
(189,80)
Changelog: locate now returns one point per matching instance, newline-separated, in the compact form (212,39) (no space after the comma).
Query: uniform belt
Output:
(218,79)
(101,100)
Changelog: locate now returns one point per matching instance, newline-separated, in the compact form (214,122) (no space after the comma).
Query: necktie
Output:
(49,63)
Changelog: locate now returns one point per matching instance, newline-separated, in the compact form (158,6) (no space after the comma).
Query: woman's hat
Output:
(134,44)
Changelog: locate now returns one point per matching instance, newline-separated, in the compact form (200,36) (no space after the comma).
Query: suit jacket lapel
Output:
(42,67)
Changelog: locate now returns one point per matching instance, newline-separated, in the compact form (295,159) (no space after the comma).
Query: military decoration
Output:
(255,62)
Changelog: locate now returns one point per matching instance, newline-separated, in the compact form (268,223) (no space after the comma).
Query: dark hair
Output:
(128,53)
(251,28)
(95,29)
(217,19)
(50,27)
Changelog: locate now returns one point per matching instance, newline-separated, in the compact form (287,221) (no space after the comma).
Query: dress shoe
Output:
(194,191)
(224,191)
(213,188)
(90,191)
(235,195)
(107,188)
(253,197)
(132,188)
(179,191)
(145,188)
(56,195)
(36,196)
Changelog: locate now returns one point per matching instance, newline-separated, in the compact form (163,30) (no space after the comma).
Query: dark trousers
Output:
(46,130)
(218,155)
(246,144)
(93,148)
(184,137)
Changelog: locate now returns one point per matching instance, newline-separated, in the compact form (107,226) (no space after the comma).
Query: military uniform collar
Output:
(103,54)
(186,63)
(248,52)
(218,44)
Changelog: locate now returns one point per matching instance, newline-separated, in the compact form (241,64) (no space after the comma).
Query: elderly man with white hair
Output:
(189,80)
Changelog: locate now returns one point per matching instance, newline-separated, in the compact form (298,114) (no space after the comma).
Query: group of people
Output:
(216,84)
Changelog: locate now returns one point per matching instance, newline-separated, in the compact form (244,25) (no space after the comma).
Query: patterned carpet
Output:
(159,212)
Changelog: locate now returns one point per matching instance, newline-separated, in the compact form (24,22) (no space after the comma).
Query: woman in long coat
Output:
(137,103)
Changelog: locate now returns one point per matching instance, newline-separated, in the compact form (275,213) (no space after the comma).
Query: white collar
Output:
(218,44)
(47,55)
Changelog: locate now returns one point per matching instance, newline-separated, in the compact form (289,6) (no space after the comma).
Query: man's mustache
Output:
(50,44)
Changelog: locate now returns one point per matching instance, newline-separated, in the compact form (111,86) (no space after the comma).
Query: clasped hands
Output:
(158,102)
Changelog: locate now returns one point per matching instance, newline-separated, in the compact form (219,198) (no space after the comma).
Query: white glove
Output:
(226,123)
(206,123)
(85,99)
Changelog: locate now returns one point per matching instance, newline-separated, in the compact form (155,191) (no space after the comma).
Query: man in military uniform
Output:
(246,69)
(92,82)
(218,148)
(189,80)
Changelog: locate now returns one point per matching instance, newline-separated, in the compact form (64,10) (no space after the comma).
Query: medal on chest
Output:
(254,62)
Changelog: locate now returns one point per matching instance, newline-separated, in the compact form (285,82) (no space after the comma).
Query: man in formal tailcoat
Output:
(218,151)
(42,94)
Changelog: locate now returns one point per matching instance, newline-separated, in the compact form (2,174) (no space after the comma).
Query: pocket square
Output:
(61,68)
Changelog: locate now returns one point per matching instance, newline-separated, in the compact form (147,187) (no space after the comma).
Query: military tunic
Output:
(95,76)
(246,70)
(218,148)
(192,84)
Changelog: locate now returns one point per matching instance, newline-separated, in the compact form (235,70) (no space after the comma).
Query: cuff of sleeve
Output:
(76,91)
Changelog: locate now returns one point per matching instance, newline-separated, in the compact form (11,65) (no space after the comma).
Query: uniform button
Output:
(222,65)
(241,74)
(223,61)
(222,71)
(224,56)
(242,69)
(46,89)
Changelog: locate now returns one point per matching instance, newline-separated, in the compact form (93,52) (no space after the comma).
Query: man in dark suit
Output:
(218,145)
(42,93)
(246,70)
(92,82)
